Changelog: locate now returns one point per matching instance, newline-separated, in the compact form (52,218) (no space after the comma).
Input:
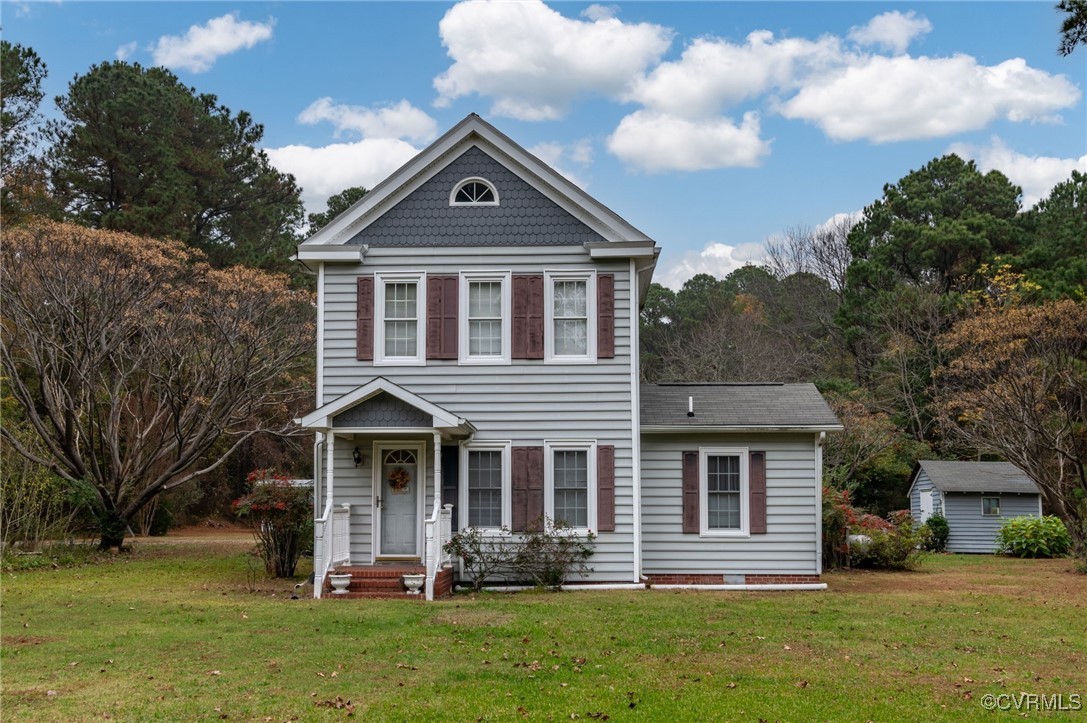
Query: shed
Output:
(975,497)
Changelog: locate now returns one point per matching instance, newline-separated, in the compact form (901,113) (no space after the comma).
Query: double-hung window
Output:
(570,307)
(723,487)
(485,308)
(570,483)
(990,506)
(485,496)
(400,330)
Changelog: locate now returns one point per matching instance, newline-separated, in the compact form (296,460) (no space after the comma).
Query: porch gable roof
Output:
(321,418)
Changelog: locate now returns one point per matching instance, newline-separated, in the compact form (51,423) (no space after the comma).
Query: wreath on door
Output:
(399,479)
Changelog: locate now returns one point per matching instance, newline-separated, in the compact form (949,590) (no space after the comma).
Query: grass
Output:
(189,631)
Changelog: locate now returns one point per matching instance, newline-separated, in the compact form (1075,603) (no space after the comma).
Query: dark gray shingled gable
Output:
(383,410)
(735,405)
(524,216)
(991,477)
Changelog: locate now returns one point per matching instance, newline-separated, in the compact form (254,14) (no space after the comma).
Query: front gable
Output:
(382,410)
(523,217)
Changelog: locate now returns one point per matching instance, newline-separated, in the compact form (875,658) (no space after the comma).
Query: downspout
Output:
(635,421)
(819,440)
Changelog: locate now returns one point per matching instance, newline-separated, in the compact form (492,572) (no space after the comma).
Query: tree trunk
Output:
(112,528)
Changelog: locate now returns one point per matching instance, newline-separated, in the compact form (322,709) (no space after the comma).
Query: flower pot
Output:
(414,583)
(340,583)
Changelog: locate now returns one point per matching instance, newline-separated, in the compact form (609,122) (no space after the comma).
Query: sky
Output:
(710,126)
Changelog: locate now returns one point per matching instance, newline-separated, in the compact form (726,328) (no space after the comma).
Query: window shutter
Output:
(757,492)
(527,499)
(364,329)
(441,317)
(450,460)
(692,521)
(528,316)
(605,316)
(605,488)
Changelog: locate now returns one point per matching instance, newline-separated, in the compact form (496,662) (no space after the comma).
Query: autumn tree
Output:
(138,151)
(336,204)
(1016,387)
(24,190)
(138,366)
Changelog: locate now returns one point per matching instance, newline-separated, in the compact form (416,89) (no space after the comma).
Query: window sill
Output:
(725,534)
(484,361)
(570,360)
(400,362)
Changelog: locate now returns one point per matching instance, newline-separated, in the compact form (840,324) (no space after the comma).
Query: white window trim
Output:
(550,277)
(507,486)
(420,318)
(578,445)
(990,497)
(704,453)
(473,179)
(467,277)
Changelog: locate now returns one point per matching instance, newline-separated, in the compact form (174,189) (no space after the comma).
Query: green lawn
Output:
(187,631)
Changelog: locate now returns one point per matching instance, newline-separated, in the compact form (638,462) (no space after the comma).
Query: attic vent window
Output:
(474,192)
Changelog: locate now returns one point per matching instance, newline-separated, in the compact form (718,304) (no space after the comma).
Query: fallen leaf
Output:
(801,684)
(215,672)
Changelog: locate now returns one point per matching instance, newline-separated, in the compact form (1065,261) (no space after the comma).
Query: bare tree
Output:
(823,251)
(132,359)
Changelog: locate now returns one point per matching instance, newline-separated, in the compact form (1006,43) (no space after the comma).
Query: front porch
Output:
(379,475)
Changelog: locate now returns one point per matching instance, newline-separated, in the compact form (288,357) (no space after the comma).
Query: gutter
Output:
(687,429)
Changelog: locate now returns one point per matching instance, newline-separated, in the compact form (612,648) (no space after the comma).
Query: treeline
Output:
(945,322)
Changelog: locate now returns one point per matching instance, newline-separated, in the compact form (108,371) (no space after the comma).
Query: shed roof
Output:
(977,477)
(741,406)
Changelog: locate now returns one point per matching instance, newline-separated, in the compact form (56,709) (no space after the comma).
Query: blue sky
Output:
(711,126)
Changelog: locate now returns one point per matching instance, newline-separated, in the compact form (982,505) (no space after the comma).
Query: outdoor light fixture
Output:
(357,456)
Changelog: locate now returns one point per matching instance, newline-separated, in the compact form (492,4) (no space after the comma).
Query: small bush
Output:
(551,551)
(281,517)
(896,547)
(484,555)
(1034,537)
(937,533)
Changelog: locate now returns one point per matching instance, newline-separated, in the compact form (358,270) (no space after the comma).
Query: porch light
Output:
(357,456)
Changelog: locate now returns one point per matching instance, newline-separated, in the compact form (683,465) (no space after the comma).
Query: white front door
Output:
(399,499)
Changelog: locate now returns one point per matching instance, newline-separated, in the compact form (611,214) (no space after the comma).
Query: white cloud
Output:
(401,120)
(894,99)
(125,51)
(327,170)
(199,48)
(716,259)
(534,62)
(600,12)
(1037,175)
(893,31)
(560,155)
(654,142)
(713,72)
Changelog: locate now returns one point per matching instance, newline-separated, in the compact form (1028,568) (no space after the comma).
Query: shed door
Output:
(926,505)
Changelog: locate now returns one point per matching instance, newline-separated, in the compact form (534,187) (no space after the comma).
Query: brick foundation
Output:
(702,579)
(443,583)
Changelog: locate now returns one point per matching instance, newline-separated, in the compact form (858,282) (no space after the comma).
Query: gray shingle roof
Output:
(524,216)
(977,477)
(735,405)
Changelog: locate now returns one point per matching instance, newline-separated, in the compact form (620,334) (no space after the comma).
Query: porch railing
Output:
(438,529)
(331,543)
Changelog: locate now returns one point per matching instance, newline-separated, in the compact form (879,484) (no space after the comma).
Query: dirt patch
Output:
(200,533)
(24,640)
(472,618)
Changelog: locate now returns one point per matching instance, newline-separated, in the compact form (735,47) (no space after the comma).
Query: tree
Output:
(1074,26)
(131,359)
(335,205)
(1054,255)
(1016,387)
(138,151)
(823,251)
(24,189)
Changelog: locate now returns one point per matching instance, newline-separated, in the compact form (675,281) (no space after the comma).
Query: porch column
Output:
(437,472)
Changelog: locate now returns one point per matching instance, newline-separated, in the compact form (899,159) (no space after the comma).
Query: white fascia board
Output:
(646,429)
(621,249)
(332,254)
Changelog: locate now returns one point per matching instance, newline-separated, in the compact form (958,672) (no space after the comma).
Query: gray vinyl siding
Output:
(526,402)
(923,485)
(792,509)
(970,531)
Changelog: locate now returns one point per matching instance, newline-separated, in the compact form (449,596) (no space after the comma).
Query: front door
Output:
(398,501)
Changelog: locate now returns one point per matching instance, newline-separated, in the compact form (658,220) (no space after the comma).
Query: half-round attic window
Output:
(474,192)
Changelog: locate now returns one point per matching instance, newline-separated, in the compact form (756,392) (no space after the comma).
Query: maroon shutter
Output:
(605,488)
(605,316)
(527,482)
(528,316)
(757,492)
(364,329)
(692,521)
(441,317)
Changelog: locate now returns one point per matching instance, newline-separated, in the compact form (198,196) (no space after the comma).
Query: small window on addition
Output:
(474,192)
(990,506)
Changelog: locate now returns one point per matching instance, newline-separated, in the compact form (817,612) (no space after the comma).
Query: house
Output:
(477,364)
(975,497)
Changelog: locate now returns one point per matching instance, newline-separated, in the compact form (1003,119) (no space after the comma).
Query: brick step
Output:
(381,570)
(376,584)
(353,595)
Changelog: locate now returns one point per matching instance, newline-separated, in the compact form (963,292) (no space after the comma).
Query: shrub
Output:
(894,547)
(1034,537)
(551,551)
(484,555)
(281,517)
(937,533)
(837,517)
